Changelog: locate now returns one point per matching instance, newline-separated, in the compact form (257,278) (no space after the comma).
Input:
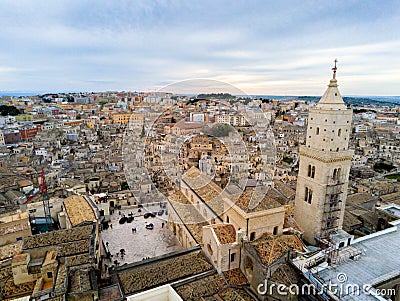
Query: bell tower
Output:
(324,166)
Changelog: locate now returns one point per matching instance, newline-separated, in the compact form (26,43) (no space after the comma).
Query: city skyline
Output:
(262,48)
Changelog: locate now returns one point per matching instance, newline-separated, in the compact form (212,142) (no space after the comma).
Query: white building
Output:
(197,117)
(2,141)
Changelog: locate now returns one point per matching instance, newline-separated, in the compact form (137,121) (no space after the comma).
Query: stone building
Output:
(324,167)
(14,227)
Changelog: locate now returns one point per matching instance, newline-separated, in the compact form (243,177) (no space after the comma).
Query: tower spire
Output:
(334,69)
(331,98)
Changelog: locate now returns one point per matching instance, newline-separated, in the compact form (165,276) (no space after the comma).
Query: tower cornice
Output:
(326,157)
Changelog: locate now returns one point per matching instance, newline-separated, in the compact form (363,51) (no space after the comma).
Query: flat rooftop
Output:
(392,209)
(379,261)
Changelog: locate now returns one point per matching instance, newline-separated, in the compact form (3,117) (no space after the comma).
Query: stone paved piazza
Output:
(144,243)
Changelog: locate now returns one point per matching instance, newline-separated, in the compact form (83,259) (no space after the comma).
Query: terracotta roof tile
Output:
(78,210)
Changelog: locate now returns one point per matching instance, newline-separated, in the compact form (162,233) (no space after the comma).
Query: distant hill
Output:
(354,100)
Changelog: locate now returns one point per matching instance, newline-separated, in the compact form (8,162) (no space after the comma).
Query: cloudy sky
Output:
(261,47)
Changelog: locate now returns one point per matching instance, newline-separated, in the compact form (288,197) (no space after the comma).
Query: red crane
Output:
(45,199)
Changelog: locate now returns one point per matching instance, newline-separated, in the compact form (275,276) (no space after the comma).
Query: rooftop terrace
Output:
(379,261)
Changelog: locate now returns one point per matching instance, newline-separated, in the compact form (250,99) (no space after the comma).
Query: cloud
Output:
(262,47)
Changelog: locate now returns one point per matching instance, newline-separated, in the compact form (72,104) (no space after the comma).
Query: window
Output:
(308,195)
(252,236)
(275,230)
(311,171)
(339,132)
(317,131)
(233,257)
(227,219)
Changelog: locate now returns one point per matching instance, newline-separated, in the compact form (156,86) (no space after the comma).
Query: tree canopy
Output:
(9,110)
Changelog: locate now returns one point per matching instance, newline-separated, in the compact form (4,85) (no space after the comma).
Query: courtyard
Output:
(138,242)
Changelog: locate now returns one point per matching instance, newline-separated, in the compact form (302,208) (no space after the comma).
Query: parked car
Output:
(130,219)
(150,226)
(147,215)
(160,212)
(122,220)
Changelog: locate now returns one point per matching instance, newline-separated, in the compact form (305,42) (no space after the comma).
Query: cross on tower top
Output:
(334,69)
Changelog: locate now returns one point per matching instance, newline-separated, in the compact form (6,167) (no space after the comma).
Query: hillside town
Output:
(160,196)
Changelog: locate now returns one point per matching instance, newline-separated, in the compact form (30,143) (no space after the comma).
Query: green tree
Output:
(220,130)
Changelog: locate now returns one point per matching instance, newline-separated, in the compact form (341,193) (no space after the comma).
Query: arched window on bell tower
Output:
(336,174)
(308,195)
